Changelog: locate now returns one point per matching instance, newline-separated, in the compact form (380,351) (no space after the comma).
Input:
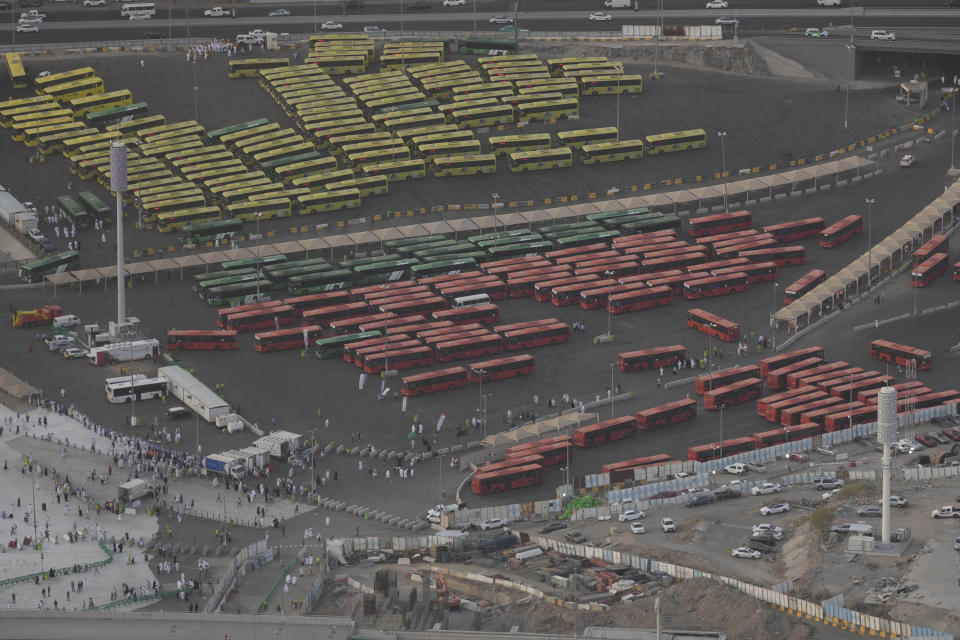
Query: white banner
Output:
(443,417)
(403,406)
(363,381)
(384,393)
(306,341)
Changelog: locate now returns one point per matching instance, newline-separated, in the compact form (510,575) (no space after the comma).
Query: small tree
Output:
(820,520)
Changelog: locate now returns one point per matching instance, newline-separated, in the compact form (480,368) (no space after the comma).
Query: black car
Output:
(870,512)
(575,537)
(952,3)
(152,35)
(178,413)
(700,499)
(419,5)
(759,546)
(554,526)
(724,493)
(764,538)
(30,3)
(5,6)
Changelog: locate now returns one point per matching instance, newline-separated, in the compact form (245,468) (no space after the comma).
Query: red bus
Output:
(730,247)
(639,299)
(269,318)
(677,261)
(815,380)
(803,285)
(660,252)
(553,452)
(799,378)
(516,450)
(714,450)
(428,334)
(782,256)
(796,229)
(415,306)
(482,313)
(651,358)
(543,291)
(787,434)
(756,272)
(928,400)
(763,404)
(772,410)
(819,416)
(612,261)
(512,478)
(432,381)
(719,223)
(635,463)
(223,314)
(643,238)
(606,431)
(522,286)
(442,279)
(292,338)
(644,250)
(433,341)
(709,241)
(597,298)
(496,267)
(775,362)
(841,231)
(389,297)
(900,354)
(201,339)
(325,315)
(360,354)
(514,326)
(536,336)
(395,324)
(417,326)
(421,356)
(708,381)
(706,322)
(650,277)
(575,251)
(870,395)
(468,347)
(315,300)
(667,414)
(351,348)
(707,267)
(715,286)
(777,378)
(507,464)
(846,419)
(570,293)
(673,282)
(956,272)
(626,267)
(849,391)
(791,415)
(582,258)
(929,270)
(936,244)
(359,293)
(495,288)
(733,394)
(500,368)
(829,385)
(352,324)
(522,271)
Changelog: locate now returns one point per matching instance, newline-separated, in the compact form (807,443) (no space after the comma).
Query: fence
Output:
(283,574)
(904,420)
(311,598)
(49,573)
(930,473)
(257,554)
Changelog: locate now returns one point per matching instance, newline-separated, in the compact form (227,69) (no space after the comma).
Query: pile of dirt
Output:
(802,552)
(699,604)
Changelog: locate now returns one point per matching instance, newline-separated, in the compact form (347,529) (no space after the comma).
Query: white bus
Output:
(138,8)
(119,379)
(136,390)
(125,352)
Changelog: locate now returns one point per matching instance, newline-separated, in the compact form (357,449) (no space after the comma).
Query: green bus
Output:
(611,218)
(442,267)
(231,295)
(295,264)
(216,134)
(400,244)
(94,205)
(387,271)
(654,223)
(333,347)
(432,242)
(569,229)
(210,276)
(350,263)
(587,238)
(320,282)
(519,249)
(487,47)
(283,276)
(451,250)
(498,235)
(216,232)
(35,271)
(115,115)
(499,242)
(263,261)
(75,212)
(203,288)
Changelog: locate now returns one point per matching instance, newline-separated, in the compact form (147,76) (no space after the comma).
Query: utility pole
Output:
(869,202)
(723,168)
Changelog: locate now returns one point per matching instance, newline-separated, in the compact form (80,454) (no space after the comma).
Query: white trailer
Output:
(280,443)
(260,457)
(125,352)
(194,394)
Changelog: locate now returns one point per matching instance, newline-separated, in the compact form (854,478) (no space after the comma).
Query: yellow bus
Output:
(675,141)
(7,114)
(576,138)
(323,136)
(231,196)
(288,172)
(402,90)
(372,156)
(381,118)
(611,151)
(277,143)
(18,75)
(556,65)
(522,57)
(401,60)
(292,70)
(480,92)
(530,98)
(368,90)
(301,81)
(319,39)
(167,222)
(160,149)
(40,115)
(376,106)
(332,122)
(428,150)
(232,183)
(19,130)
(498,73)
(367,52)
(80,73)
(283,152)
(74,89)
(86,165)
(419,70)
(370,145)
(137,124)
(598,85)
(593,69)
(267,207)
(340,65)
(366,185)
(372,78)
(548,109)
(337,143)
(321,113)
(109,100)
(482,116)
(506,145)
(250,67)
(442,88)
(167,191)
(445,136)
(253,141)
(306,108)
(173,204)
(53,142)
(397,170)
(317,93)
(565,89)
(468,165)
(294,105)
(415,121)
(328,201)
(32,136)
(146,174)
(318,181)
(174,135)
(197,156)
(166,130)
(540,160)
(239,137)
(171,183)
(408,134)
(215,170)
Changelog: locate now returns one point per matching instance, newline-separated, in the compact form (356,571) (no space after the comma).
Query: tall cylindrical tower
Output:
(886,434)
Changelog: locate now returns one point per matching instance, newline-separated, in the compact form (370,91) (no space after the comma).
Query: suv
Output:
(178,413)
(700,499)
(575,537)
(882,34)
(825,482)
(493,523)
(94,3)
(668,525)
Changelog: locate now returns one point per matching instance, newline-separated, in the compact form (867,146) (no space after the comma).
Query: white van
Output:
(828,3)
(617,4)
(469,301)
(65,321)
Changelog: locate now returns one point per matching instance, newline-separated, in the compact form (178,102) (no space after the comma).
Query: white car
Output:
(217,12)
(330,25)
(745,552)
(637,527)
(28,19)
(718,4)
(882,34)
(257,33)
(776,532)
(278,13)
(779,507)
(27,27)
(94,3)
(766,488)
(454,3)
(373,29)
(816,33)
(898,501)
(74,352)
(631,514)
(729,20)
(494,523)
(501,20)
(668,524)
(600,16)
(36,235)
(908,160)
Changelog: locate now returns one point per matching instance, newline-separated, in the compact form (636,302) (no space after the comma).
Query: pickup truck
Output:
(737,468)
(217,12)
(31,14)
(946,512)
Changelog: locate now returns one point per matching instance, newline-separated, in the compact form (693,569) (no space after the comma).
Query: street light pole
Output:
(609,275)
(723,167)
(953,127)
(773,321)
(474,16)
(869,202)
(618,104)
(846,106)
(257,216)
(613,393)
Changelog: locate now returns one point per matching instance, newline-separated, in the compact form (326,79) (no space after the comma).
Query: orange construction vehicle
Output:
(34,317)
